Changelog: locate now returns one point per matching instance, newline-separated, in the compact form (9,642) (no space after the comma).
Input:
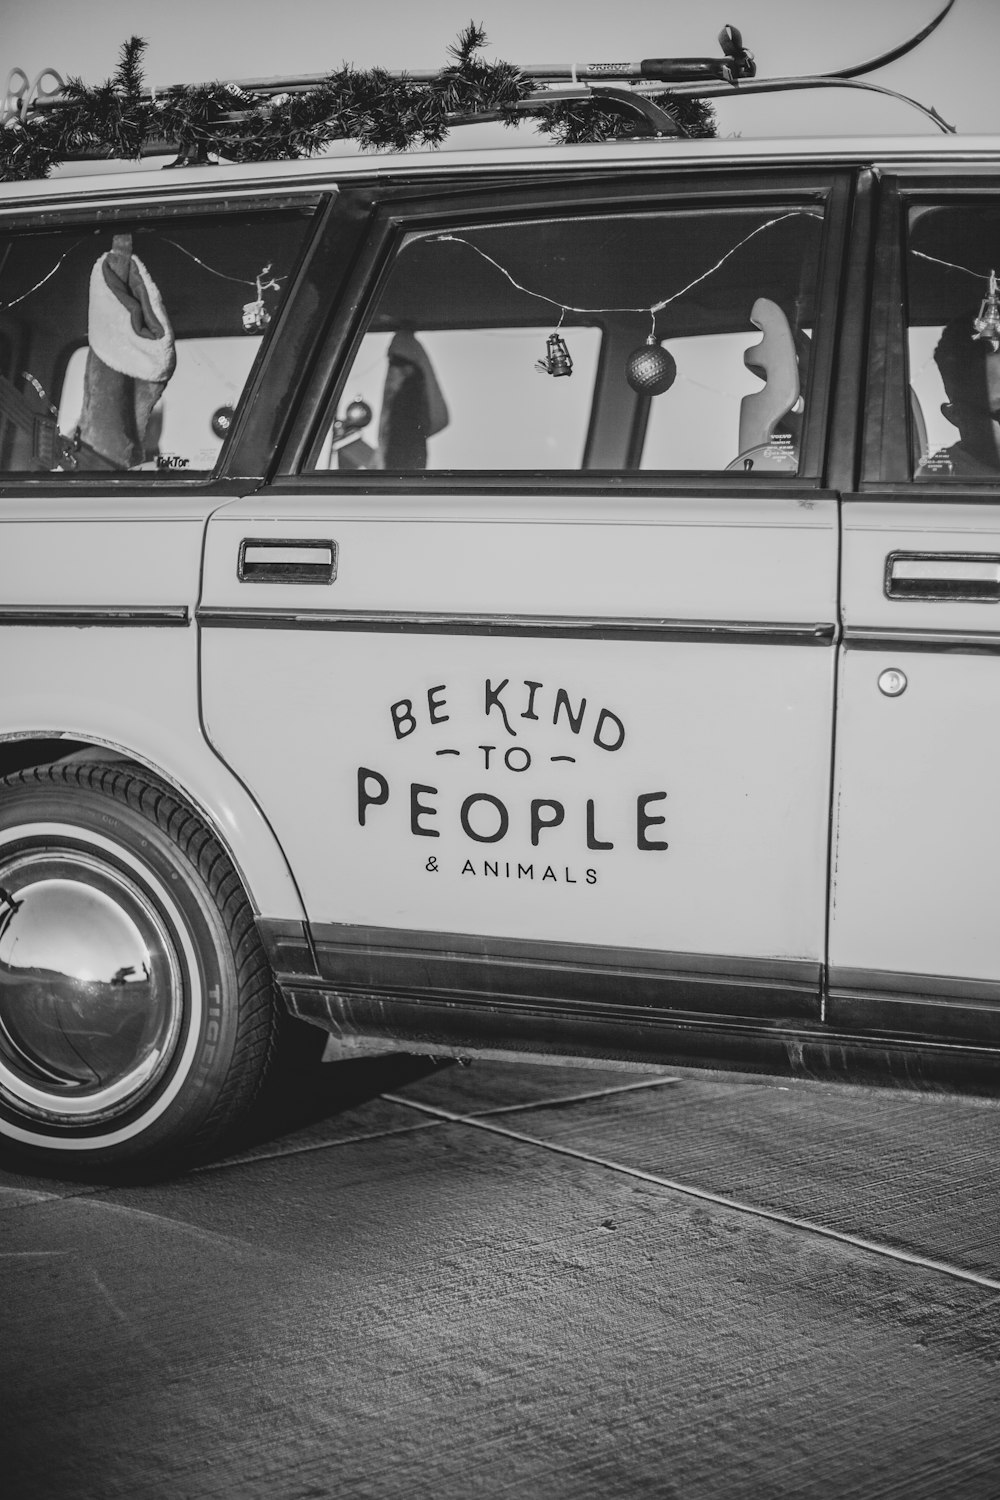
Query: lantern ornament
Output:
(557,359)
(987,324)
(650,370)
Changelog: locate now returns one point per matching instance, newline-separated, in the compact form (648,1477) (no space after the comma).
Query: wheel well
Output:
(19,755)
(267,863)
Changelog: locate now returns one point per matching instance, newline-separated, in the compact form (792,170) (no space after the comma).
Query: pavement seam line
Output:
(555,1102)
(775,1216)
(250,1159)
(247,1159)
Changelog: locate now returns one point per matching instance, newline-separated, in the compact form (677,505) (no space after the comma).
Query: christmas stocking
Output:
(413,408)
(130,359)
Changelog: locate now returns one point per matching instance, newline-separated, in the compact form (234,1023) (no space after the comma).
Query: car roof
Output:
(112,181)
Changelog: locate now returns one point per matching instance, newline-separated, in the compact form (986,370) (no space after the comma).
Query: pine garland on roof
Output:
(578,121)
(119,119)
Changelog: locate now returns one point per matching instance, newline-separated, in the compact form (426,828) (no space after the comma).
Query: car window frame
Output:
(395,213)
(887,468)
(265,391)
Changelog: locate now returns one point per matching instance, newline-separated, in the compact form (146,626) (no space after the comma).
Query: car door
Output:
(528,649)
(914,943)
(129,328)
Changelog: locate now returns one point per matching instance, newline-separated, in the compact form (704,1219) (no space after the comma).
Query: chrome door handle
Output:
(943,575)
(294,560)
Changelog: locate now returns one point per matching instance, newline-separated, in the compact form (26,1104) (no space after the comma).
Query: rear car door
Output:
(914,942)
(528,649)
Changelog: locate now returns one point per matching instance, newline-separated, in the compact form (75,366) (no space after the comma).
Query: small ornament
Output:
(358,414)
(987,324)
(557,359)
(255,315)
(650,370)
(347,428)
(222,420)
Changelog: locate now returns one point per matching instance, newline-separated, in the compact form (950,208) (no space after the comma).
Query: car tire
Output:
(137,1014)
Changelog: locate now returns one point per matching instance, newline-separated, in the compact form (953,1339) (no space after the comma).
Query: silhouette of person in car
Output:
(970,370)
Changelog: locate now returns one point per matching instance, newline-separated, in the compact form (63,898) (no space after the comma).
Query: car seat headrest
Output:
(773,360)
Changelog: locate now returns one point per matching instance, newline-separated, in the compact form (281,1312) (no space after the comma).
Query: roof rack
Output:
(735,72)
(264,119)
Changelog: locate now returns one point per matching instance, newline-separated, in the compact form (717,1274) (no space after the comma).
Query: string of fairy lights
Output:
(650,369)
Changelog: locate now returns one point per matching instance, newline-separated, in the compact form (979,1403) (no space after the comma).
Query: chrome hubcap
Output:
(91,990)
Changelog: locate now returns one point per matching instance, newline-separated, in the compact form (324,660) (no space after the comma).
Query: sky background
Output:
(192,41)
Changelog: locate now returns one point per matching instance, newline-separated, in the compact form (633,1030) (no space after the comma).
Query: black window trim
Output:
(232,463)
(395,214)
(887,469)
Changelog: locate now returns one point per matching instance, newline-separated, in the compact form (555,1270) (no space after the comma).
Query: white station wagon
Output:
(543,600)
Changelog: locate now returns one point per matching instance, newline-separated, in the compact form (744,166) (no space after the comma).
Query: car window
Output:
(125,346)
(540,424)
(717,392)
(674,340)
(953,341)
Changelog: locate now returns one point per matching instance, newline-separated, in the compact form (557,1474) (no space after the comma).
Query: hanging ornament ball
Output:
(222,420)
(358,414)
(650,370)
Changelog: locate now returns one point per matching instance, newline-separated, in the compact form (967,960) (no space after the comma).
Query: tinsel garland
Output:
(119,119)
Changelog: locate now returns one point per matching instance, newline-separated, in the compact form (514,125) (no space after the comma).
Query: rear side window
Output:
(676,340)
(126,345)
(953,341)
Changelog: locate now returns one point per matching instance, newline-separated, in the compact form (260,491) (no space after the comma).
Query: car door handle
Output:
(298,560)
(943,575)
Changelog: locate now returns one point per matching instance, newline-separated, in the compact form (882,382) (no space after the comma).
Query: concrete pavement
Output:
(646,1285)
